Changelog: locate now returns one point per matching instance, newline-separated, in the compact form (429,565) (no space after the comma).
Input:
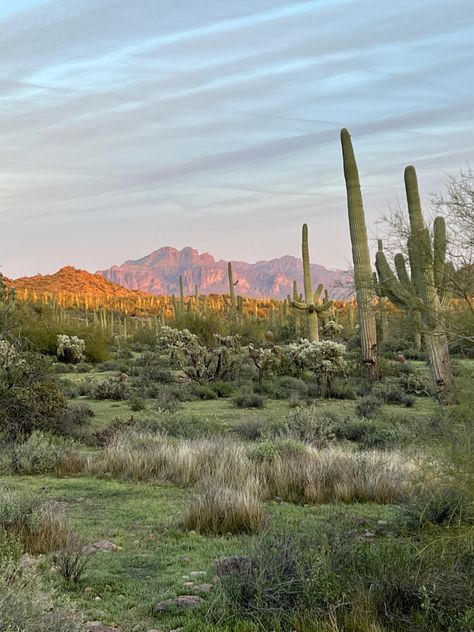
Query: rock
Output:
(183,602)
(177,630)
(102,545)
(88,589)
(400,358)
(203,588)
(382,523)
(197,574)
(188,584)
(28,561)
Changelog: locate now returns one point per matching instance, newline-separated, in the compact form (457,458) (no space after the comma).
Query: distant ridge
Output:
(158,273)
(74,281)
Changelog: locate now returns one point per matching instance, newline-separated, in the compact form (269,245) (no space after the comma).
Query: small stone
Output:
(198,574)
(98,598)
(88,589)
(177,630)
(203,588)
(183,602)
(188,584)
(382,523)
(368,534)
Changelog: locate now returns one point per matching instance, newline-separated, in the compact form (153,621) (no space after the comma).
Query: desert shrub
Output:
(27,606)
(271,449)
(344,581)
(152,367)
(393,393)
(250,428)
(446,506)
(222,389)
(309,424)
(72,560)
(40,453)
(39,526)
(343,388)
(248,400)
(220,510)
(58,368)
(116,364)
(115,388)
(30,399)
(203,391)
(180,426)
(368,406)
(137,403)
(168,400)
(71,389)
(74,421)
(416,384)
(83,367)
(367,433)
(283,387)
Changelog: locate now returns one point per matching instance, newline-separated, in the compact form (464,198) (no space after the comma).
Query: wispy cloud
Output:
(125,127)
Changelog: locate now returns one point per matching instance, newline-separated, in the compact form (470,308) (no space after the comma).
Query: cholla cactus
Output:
(331,329)
(326,359)
(9,356)
(199,363)
(264,359)
(70,349)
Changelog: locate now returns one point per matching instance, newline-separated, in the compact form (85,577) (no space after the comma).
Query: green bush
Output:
(39,454)
(342,579)
(368,406)
(180,426)
(445,506)
(248,400)
(367,433)
(250,429)
(222,389)
(114,388)
(271,448)
(137,403)
(168,400)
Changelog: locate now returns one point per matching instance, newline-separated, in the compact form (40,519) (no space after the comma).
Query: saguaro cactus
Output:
(232,284)
(427,290)
(361,259)
(311,305)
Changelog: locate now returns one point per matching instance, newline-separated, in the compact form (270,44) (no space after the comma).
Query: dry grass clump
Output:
(309,475)
(322,476)
(220,510)
(151,456)
(40,527)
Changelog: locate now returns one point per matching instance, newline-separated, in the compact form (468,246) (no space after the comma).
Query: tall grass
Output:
(311,476)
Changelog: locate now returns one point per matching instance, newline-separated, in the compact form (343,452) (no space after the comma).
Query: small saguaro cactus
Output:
(181,293)
(427,290)
(232,284)
(311,305)
(361,259)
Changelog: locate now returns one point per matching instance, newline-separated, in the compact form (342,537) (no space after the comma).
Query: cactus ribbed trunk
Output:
(311,315)
(231,285)
(436,344)
(361,259)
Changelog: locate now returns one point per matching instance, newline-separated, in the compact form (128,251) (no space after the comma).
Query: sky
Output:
(127,126)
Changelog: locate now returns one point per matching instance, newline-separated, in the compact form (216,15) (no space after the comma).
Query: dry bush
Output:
(40,527)
(219,510)
(309,476)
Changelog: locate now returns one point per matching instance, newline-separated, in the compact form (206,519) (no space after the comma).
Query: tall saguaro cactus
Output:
(311,305)
(361,259)
(427,290)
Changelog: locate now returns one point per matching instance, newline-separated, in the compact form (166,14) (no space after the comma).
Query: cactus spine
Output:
(361,259)
(311,305)
(427,291)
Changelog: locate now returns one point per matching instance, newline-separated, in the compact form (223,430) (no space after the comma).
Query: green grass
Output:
(155,554)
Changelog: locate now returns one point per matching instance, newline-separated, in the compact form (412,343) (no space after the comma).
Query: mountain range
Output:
(159,272)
